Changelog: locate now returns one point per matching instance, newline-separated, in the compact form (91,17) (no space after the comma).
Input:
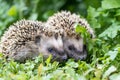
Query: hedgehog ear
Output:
(37,39)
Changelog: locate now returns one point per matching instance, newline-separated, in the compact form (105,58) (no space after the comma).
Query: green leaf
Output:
(110,4)
(115,76)
(92,14)
(12,11)
(112,54)
(48,59)
(80,28)
(109,71)
(40,69)
(94,23)
(111,31)
(117,12)
(33,16)
(72,64)
(82,31)
(48,14)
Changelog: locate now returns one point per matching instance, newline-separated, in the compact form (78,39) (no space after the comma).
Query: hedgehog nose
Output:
(64,58)
(82,57)
(61,52)
(79,52)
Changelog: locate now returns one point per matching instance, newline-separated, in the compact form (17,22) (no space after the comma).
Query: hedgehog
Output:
(27,39)
(64,22)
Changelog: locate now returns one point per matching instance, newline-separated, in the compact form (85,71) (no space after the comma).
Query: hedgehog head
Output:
(64,22)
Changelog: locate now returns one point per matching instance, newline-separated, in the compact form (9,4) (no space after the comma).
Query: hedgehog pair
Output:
(27,39)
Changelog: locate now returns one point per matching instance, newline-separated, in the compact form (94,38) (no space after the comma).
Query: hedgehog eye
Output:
(71,47)
(50,49)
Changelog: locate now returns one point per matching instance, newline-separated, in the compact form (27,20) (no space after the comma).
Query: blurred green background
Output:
(13,10)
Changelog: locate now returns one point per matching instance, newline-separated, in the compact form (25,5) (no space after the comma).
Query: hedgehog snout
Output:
(81,55)
(63,55)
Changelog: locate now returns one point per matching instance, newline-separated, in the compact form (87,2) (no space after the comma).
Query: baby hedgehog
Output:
(64,22)
(26,39)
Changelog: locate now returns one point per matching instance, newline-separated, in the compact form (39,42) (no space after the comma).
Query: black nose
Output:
(64,58)
(82,57)
(61,53)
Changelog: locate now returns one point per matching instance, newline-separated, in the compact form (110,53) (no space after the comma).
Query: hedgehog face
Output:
(75,48)
(51,45)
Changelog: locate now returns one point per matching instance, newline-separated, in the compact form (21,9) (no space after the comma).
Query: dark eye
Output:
(50,50)
(71,47)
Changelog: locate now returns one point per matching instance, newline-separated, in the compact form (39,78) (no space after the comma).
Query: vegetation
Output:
(103,61)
